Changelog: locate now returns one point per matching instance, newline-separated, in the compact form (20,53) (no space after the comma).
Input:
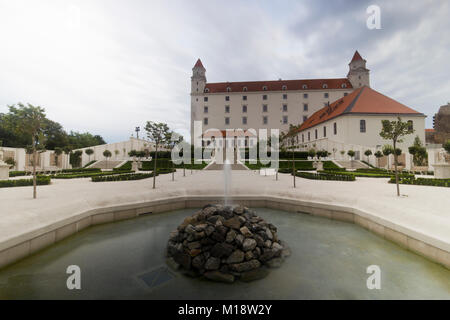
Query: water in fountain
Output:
(227,181)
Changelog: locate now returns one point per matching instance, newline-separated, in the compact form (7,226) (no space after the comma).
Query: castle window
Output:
(244,89)
(244,97)
(285,108)
(305,118)
(345,94)
(228,89)
(205,109)
(325,95)
(265,120)
(205,121)
(227,120)
(205,99)
(244,109)
(315,134)
(227,109)
(309,136)
(264,108)
(206,90)
(264,88)
(362,125)
(324,132)
(227,98)
(284,88)
(264,96)
(284,96)
(305,107)
(410,125)
(344,85)
(324,86)
(305,96)
(303,137)
(244,120)
(335,128)
(304,86)
(285,119)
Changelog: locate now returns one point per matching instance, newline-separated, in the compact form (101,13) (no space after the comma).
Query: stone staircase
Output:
(353,164)
(106,164)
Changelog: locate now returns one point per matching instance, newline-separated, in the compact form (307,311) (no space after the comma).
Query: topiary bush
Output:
(40,180)
(325,176)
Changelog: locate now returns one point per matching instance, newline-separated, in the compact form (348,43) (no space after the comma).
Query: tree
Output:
(368,153)
(351,154)
(30,124)
(419,152)
(75,158)
(116,153)
(394,131)
(290,138)
(107,154)
(89,152)
(312,153)
(58,151)
(157,133)
(378,155)
(446,146)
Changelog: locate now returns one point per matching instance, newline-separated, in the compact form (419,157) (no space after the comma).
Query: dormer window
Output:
(206,90)
(284,88)
(264,88)
(344,85)
(304,86)
(324,86)
(228,89)
(244,89)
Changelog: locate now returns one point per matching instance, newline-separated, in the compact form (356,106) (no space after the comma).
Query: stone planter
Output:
(441,170)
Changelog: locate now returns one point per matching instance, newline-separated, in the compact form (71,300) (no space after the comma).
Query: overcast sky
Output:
(108,66)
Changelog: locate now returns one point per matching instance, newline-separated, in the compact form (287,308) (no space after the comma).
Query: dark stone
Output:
(198,262)
(236,257)
(219,276)
(274,263)
(218,237)
(221,250)
(234,223)
(212,263)
(267,255)
(222,230)
(245,266)
(183,259)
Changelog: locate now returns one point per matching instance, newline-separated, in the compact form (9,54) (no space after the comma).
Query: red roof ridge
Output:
(199,64)
(356,57)
(361,101)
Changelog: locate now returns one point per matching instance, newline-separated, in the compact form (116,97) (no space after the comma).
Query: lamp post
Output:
(137,129)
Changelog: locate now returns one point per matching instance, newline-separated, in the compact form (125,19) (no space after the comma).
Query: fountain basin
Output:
(329,261)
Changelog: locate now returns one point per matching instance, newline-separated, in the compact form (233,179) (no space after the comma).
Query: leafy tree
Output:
(387,150)
(368,153)
(378,155)
(394,131)
(29,122)
(312,153)
(89,152)
(107,154)
(351,154)
(419,152)
(75,158)
(158,134)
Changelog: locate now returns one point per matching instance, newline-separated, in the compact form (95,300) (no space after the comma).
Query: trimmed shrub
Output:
(89,174)
(80,170)
(40,180)
(122,177)
(422,181)
(17,173)
(325,176)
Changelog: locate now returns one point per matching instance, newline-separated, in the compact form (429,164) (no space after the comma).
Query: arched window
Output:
(206,90)
(283,87)
(325,86)
(264,88)
(304,86)
(244,89)
(344,85)
(228,89)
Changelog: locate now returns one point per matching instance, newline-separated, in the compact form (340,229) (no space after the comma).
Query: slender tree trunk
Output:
(154,166)
(173,173)
(293,165)
(396,172)
(34,172)
(184,169)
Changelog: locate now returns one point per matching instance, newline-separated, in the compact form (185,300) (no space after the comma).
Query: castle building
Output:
(273,104)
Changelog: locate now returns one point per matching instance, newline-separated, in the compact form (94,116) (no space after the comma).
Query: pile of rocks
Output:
(225,244)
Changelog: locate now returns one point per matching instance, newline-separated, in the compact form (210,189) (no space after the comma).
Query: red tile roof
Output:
(199,64)
(429,130)
(361,101)
(277,85)
(356,57)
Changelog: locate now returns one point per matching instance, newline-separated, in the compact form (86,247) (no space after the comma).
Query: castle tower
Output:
(198,79)
(358,74)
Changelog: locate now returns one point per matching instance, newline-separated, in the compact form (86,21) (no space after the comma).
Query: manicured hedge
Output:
(81,170)
(372,175)
(161,163)
(422,181)
(122,177)
(89,174)
(40,180)
(89,163)
(17,173)
(325,176)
